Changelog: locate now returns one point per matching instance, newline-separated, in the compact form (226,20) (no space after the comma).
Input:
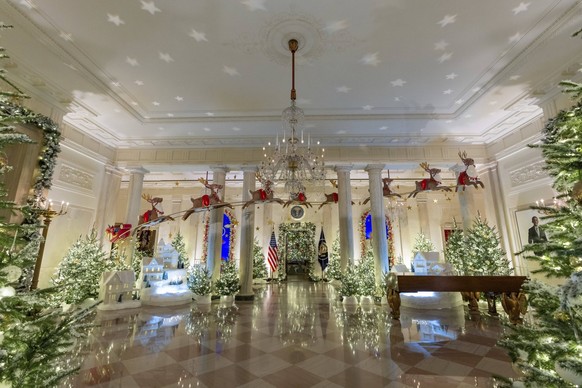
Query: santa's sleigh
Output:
(118,232)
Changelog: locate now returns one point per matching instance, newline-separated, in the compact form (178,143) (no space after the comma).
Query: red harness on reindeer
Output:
(206,200)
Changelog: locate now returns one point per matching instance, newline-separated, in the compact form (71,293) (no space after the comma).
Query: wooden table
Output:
(513,298)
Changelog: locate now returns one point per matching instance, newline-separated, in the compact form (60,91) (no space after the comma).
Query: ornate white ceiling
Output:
(217,72)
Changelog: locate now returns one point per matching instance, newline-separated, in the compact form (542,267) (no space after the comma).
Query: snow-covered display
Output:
(162,283)
(169,255)
(427,263)
(116,291)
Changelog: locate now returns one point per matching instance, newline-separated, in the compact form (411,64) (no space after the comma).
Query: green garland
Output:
(47,159)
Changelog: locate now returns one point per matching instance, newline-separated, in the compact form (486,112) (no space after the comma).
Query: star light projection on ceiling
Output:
(205,65)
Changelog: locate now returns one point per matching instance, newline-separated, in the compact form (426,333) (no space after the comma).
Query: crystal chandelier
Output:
(291,160)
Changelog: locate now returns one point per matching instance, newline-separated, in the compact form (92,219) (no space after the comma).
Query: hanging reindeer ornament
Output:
(264,194)
(333,197)
(297,199)
(467,173)
(429,184)
(154,216)
(386,191)
(206,201)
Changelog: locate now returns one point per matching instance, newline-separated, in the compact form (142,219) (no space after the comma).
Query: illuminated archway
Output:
(366,233)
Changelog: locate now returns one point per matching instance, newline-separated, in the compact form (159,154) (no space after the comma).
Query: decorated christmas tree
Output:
(455,250)
(548,349)
(228,282)
(200,280)
(180,247)
(350,283)
(79,273)
(259,264)
(333,270)
(366,273)
(422,244)
(35,339)
(482,253)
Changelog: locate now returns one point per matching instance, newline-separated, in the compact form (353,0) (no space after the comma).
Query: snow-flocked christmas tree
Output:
(79,273)
(259,263)
(333,270)
(422,244)
(477,252)
(180,246)
(228,282)
(549,349)
(455,250)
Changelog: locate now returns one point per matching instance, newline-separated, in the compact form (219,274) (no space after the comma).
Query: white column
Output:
(134,195)
(345,216)
(379,238)
(247,235)
(215,227)
(422,203)
(107,201)
(496,204)
(466,204)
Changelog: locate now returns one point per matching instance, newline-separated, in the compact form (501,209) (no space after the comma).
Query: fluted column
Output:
(215,227)
(345,216)
(379,238)
(134,195)
(247,235)
(107,201)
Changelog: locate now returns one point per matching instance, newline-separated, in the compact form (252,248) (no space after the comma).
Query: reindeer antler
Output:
(333,183)
(203,181)
(425,166)
(463,155)
(147,197)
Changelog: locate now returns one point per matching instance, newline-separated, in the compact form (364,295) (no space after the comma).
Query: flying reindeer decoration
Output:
(331,198)
(467,173)
(386,191)
(429,184)
(154,216)
(297,199)
(206,201)
(264,194)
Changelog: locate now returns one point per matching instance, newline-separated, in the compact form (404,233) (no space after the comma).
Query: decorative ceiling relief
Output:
(315,36)
(528,173)
(76,177)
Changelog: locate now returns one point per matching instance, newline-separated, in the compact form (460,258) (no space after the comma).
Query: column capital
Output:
(249,168)
(375,167)
(344,168)
(138,170)
(113,170)
(223,169)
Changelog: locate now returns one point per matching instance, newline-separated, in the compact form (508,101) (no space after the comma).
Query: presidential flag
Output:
(322,255)
(273,256)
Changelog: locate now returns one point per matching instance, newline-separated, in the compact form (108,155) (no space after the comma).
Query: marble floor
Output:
(294,334)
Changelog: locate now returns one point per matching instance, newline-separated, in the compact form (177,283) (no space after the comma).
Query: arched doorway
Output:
(366,234)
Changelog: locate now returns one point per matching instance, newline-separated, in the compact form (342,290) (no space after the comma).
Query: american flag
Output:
(273,256)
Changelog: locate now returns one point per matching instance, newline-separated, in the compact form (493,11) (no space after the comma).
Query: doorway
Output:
(297,246)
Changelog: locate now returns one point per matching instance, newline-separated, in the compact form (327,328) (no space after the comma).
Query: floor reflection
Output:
(293,334)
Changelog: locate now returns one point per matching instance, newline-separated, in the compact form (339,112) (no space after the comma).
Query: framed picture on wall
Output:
(523,220)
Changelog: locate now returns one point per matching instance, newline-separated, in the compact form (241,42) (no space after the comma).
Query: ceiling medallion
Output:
(273,37)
